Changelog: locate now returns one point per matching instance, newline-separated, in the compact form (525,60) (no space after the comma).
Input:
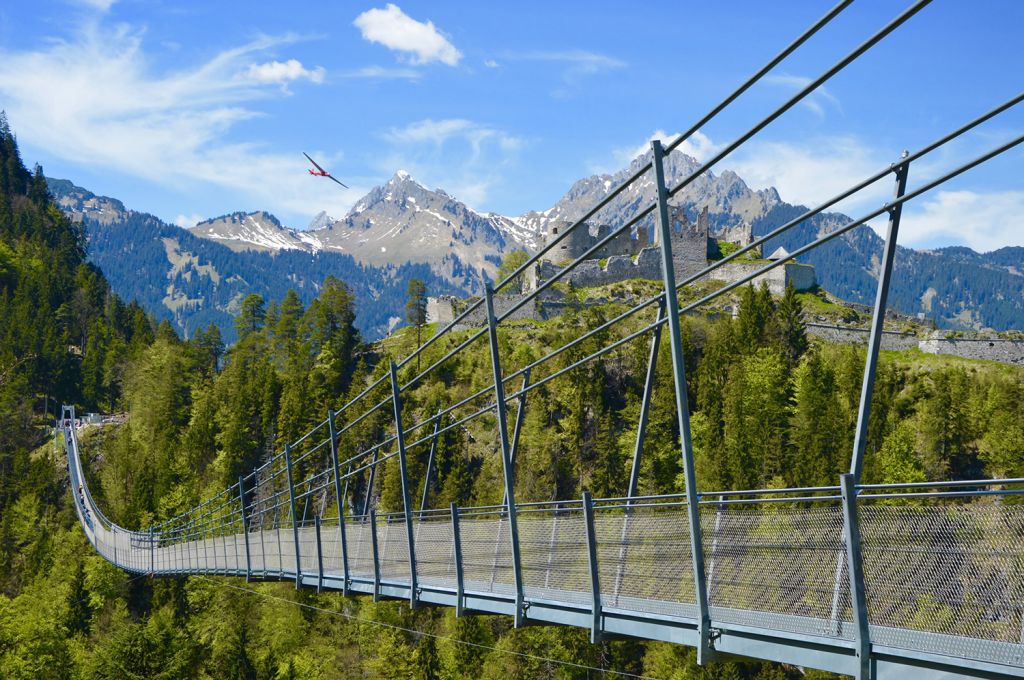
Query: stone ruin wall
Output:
(443,311)
(850,335)
(990,348)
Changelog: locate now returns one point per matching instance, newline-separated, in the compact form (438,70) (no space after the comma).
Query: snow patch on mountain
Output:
(253,231)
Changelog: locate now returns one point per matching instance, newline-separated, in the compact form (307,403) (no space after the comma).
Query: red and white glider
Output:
(320,172)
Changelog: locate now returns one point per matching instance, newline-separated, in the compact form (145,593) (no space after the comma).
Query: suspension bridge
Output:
(868,580)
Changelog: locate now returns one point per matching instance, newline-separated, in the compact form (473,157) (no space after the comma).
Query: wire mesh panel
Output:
(777,566)
(258,551)
(360,547)
(307,548)
(946,579)
(644,560)
(487,554)
(236,553)
(393,543)
(330,544)
(272,541)
(435,551)
(286,544)
(553,551)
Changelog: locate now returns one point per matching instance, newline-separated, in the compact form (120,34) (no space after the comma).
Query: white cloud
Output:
(698,145)
(187,221)
(816,101)
(983,221)
(581,62)
(383,73)
(438,132)
(813,170)
(283,72)
(394,29)
(490,63)
(94,100)
(101,5)
(578,65)
(464,157)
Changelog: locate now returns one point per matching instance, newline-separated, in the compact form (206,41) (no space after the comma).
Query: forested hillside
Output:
(771,408)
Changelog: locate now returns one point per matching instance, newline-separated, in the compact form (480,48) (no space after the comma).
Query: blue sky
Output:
(192,110)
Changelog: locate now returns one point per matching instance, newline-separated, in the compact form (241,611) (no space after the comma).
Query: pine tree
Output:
(251,316)
(786,327)
(416,309)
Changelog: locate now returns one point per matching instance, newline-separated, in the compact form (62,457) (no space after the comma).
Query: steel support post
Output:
(645,406)
(339,496)
(234,542)
(457,545)
(295,523)
(877,323)
(206,548)
(595,582)
(319,555)
(430,463)
(682,403)
(224,540)
(396,400)
(263,514)
(344,538)
(517,428)
(506,454)
(855,568)
(376,557)
(245,528)
(152,552)
(714,544)
(369,484)
(280,550)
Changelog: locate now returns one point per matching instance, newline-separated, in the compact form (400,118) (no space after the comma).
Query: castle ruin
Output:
(635,256)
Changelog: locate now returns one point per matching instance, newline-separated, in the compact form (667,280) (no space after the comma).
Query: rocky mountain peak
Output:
(81,203)
(321,221)
(403,221)
(728,198)
(258,230)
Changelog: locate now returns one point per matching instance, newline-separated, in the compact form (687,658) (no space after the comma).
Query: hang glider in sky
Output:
(320,172)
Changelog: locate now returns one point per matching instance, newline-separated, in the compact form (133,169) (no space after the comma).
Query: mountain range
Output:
(399,221)
(403,229)
(192,281)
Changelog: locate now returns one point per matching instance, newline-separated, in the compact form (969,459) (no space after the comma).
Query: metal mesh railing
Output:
(938,576)
(435,550)
(778,567)
(645,560)
(393,549)
(942,575)
(486,553)
(554,555)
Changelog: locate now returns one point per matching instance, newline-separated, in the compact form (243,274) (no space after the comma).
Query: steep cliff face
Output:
(728,199)
(403,221)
